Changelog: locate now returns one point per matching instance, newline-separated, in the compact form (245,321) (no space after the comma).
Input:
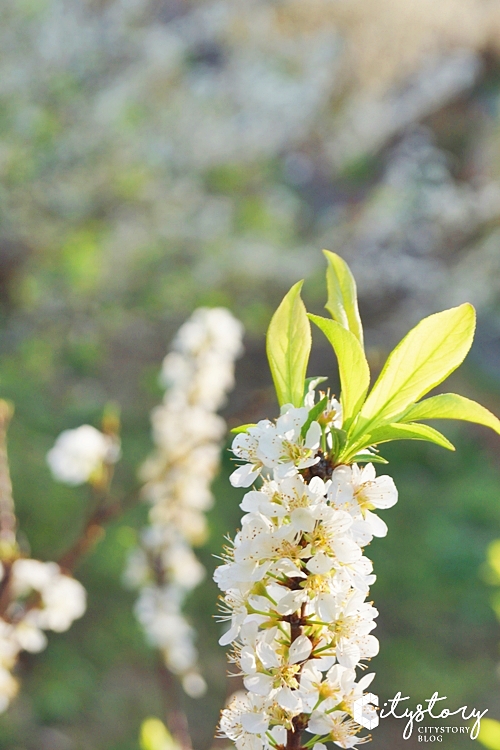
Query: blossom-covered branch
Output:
(197,374)
(295,579)
(35,596)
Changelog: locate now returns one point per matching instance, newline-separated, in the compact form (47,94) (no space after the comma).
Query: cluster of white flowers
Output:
(197,373)
(41,597)
(79,455)
(296,581)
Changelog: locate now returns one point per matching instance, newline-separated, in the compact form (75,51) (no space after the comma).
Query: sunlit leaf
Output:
(242,428)
(353,367)
(424,358)
(154,735)
(288,346)
(342,297)
(489,734)
(396,431)
(311,383)
(372,458)
(452,406)
(314,414)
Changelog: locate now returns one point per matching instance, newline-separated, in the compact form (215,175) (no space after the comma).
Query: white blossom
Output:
(360,491)
(187,433)
(79,454)
(295,581)
(42,598)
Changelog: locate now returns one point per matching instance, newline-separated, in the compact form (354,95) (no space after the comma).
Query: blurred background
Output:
(158,155)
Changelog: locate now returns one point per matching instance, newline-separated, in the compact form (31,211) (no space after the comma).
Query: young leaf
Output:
(342,298)
(288,345)
(423,359)
(372,458)
(311,383)
(313,415)
(451,406)
(395,431)
(489,734)
(353,367)
(242,428)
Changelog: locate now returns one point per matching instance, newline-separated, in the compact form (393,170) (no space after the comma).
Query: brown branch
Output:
(294,735)
(92,533)
(175,716)
(8,522)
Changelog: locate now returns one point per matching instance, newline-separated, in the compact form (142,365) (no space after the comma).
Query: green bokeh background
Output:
(84,323)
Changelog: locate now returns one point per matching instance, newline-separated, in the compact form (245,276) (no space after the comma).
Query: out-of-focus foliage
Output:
(489,735)
(158,155)
(155,736)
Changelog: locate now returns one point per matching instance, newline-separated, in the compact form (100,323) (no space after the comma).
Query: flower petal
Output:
(378,527)
(244,475)
(300,650)
(255,723)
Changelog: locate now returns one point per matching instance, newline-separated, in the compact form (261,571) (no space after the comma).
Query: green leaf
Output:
(339,438)
(489,734)
(353,367)
(390,432)
(452,406)
(311,383)
(395,431)
(154,735)
(313,415)
(242,428)
(342,297)
(372,458)
(423,359)
(288,345)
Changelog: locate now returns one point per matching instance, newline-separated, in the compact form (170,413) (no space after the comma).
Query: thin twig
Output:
(175,716)
(104,511)
(92,533)
(8,521)
(294,736)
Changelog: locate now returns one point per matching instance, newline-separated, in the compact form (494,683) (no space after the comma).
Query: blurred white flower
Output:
(42,598)
(79,454)
(187,433)
(8,688)
(62,598)
(295,583)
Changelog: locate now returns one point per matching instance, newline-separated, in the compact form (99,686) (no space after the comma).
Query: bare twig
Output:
(92,533)
(105,510)
(8,521)
(175,716)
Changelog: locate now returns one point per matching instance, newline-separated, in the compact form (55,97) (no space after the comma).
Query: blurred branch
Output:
(175,716)
(93,531)
(8,522)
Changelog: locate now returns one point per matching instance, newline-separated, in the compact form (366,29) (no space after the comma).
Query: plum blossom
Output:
(78,455)
(187,432)
(359,491)
(295,582)
(42,598)
(277,446)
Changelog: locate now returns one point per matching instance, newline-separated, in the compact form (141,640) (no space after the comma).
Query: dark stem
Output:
(8,521)
(175,716)
(92,533)
(93,530)
(294,736)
